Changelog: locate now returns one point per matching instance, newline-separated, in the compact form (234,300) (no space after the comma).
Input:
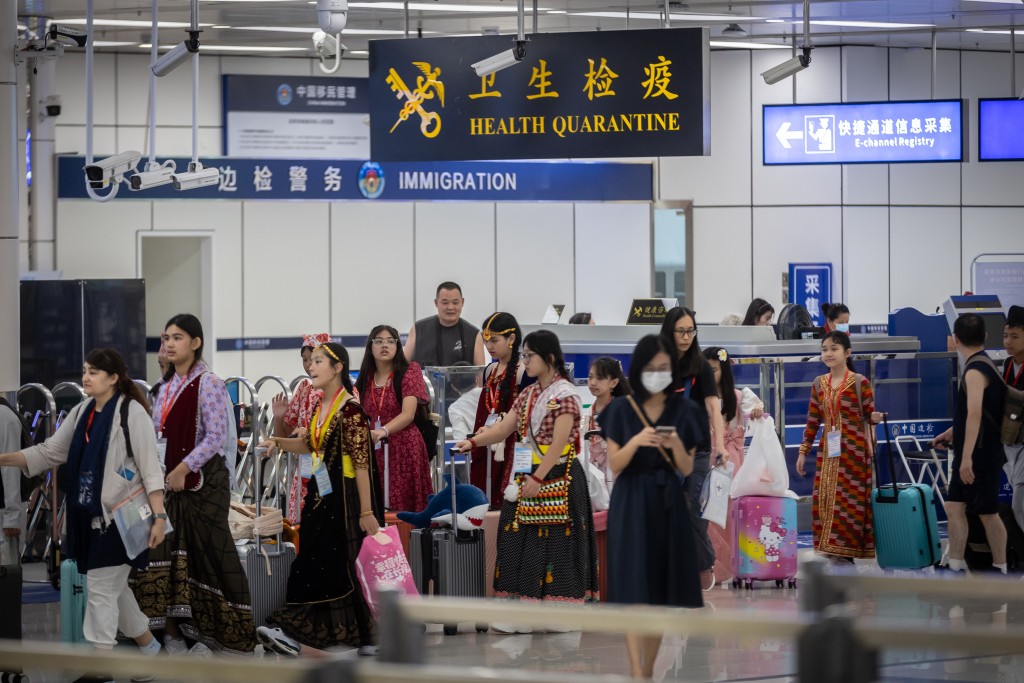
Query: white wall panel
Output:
(724,177)
(455,241)
(228,364)
(521,229)
(71,140)
(97,240)
(225,220)
(722,262)
(861,68)
(925,184)
(613,257)
(866,263)
(372,266)
(792,185)
(987,74)
(988,231)
(285,266)
(286,364)
(173,93)
(171,141)
(787,235)
(69,83)
(924,256)
(281,66)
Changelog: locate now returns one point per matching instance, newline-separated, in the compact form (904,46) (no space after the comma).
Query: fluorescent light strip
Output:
(746,45)
(313,29)
(994,32)
(851,24)
(437,7)
(654,16)
(1001,2)
(235,48)
(130,23)
(112,43)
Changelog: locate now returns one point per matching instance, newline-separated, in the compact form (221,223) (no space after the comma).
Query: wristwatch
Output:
(161,515)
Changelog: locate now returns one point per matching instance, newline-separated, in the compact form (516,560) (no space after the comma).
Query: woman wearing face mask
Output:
(504,379)
(292,415)
(539,561)
(652,437)
(696,380)
(841,510)
(837,318)
(102,470)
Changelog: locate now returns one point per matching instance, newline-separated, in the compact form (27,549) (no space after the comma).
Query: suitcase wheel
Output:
(749,585)
(779,583)
(792,583)
(736,583)
(451,629)
(483,628)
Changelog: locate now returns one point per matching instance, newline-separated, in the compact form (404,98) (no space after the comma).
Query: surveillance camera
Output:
(787,68)
(51,103)
(154,176)
(196,176)
(111,169)
(66,35)
(169,61)
(327,46)
(502,60)
(332,15)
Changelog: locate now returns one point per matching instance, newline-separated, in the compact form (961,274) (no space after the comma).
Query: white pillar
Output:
(10,330)
(43,144)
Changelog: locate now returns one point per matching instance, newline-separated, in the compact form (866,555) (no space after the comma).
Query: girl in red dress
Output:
(390,390)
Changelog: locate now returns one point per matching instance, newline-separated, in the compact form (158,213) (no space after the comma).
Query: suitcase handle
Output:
(892,464)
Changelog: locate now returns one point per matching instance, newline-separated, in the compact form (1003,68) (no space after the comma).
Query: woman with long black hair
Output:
(194,585)
(696,380)
(105,465)
(325,605)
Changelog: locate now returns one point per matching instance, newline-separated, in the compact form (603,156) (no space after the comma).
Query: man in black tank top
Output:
(1013,375)
(978,454)
(445,339)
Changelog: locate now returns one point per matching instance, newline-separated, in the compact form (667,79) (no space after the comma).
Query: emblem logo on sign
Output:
(371,180)
(427,88)
(284,94)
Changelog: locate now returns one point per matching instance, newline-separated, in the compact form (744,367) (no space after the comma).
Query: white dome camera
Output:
(332,15)
(326,45)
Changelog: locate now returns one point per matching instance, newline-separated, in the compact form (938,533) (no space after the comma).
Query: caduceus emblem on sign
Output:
(427,87)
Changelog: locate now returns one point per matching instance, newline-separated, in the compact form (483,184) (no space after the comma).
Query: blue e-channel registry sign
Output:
(863,133)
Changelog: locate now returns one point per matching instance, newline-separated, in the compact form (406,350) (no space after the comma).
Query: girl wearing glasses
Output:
(390,389)
(695,379)
(503,380)
(555,558)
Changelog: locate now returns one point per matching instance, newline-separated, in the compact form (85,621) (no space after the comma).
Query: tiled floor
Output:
(694,658)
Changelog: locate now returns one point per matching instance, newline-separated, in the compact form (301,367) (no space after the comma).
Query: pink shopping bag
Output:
(382,562)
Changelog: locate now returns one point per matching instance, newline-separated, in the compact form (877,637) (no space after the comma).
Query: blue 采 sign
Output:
(335,180)
(810,285)
(1000,123)
(863,133)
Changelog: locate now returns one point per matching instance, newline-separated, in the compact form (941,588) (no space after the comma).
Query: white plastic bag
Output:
(764,470)
(714,498)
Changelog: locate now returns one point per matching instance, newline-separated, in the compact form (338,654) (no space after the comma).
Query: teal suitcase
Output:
(906,527)
(73,597)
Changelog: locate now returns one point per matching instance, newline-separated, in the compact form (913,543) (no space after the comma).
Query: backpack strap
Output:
(125,405)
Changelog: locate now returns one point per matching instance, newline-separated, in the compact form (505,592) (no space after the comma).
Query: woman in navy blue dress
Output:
(651,443)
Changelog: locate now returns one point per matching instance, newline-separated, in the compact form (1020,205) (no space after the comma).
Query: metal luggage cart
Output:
(928,464)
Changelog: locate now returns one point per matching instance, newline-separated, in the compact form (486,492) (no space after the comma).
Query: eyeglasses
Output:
(384,341)
(527,356)
(686,332)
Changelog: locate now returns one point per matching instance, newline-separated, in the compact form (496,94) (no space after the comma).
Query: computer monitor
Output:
(985,305)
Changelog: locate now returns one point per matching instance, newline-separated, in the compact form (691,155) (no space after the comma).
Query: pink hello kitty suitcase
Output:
(764,541)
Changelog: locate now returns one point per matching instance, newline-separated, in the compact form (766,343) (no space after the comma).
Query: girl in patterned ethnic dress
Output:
(842,519)
(554,561)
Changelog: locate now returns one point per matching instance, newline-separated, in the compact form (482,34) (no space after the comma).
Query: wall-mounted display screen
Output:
(1000,123)
(863,132)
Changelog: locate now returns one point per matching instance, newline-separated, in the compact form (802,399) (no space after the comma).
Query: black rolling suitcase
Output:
(978,555)
(449,562)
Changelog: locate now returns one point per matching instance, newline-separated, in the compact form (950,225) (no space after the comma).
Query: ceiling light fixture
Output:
(236,48)
(438,7)
(311,30)
(654,16)
(746,45)
(130,23)
(733,30)
(854,24)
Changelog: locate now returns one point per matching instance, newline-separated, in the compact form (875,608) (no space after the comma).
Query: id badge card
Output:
(306,465)
(492,420)
(323,481)
(832,445)
(376,425)
(161,448)
(522,460)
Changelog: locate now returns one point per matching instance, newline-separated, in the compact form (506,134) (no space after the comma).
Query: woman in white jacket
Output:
(104,468)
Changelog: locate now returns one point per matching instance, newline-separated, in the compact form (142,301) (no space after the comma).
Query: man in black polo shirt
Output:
(978,454)
(1013,375)
(445,339)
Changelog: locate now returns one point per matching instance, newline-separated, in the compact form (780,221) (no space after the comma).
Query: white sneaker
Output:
(175,646)
(504,628)
(200,651)
(275,640)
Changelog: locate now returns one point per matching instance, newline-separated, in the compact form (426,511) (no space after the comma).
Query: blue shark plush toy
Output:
(468,500)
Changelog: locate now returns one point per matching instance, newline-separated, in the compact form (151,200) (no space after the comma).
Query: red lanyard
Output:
(838,398)
(1009,371)
(164,409)
(373,394)
(492,390)
(88,424)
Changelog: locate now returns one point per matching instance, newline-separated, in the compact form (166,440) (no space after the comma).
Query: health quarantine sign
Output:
(573,95)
